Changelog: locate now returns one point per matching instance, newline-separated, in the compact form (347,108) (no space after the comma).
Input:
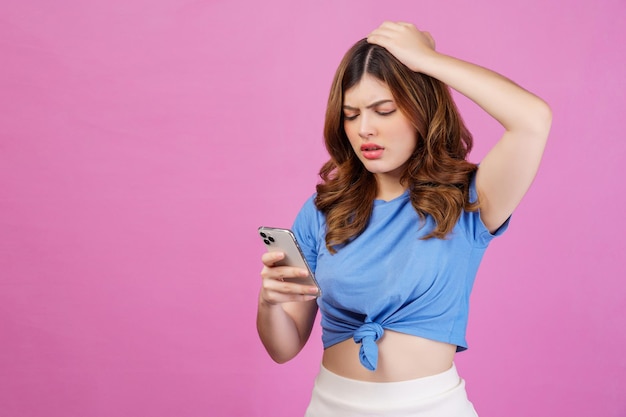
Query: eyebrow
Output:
(376,103)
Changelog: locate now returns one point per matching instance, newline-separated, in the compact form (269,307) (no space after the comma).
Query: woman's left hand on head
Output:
(404,41)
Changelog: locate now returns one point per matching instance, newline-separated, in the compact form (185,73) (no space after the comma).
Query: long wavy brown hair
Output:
(437,173)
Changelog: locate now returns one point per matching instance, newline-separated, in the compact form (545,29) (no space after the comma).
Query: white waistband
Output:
(441,395)
(416,389)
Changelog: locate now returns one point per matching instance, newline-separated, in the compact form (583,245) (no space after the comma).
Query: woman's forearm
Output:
(513,107)
(281,334)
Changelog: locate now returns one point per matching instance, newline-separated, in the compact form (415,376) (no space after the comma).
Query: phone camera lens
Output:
(271,239)
(263,235)
(267,242)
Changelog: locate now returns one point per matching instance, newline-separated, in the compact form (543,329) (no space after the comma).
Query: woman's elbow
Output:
(541,120)
(281,356)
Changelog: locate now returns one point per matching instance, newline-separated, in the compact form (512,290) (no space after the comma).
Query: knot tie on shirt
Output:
(367,335)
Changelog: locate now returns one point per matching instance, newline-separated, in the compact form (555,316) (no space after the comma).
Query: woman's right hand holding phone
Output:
(286,310)
(275,289)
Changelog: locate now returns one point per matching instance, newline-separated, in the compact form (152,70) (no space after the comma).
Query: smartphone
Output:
(283,240)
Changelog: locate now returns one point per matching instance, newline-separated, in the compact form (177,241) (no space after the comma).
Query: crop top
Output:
(389,278)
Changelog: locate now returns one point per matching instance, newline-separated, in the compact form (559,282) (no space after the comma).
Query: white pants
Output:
(441,395)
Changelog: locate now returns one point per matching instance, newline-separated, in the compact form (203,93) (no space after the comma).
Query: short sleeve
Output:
(306,228)
(475,228)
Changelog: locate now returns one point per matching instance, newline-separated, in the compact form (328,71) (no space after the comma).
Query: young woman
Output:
(398,226)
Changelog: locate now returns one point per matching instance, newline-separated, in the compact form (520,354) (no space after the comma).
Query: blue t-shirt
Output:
(388,278)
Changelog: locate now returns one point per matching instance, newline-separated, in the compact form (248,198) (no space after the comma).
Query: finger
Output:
(379,38)
(277,298)
(283,273)
(279,273)
(274,283)
(384,31)
(279,291)
(395,25)
(270,258)
(384,35)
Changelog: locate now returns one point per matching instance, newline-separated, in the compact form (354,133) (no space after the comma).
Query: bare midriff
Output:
(401,357)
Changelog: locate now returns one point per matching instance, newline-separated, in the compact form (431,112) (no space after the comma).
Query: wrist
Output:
(427,63)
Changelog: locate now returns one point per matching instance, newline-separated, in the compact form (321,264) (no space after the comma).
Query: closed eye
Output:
(379,112)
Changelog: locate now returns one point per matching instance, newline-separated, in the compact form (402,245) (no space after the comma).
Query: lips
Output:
(372,151)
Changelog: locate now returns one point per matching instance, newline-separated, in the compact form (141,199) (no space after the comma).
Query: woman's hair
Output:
(436,174)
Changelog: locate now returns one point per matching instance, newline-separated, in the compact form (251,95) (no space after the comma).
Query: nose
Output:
(366,127)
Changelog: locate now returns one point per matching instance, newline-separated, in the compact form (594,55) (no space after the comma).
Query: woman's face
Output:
(380,134)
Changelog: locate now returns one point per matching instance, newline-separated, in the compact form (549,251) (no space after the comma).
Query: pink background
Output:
(142,142)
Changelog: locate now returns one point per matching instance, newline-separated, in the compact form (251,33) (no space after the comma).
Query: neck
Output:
(388,188)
